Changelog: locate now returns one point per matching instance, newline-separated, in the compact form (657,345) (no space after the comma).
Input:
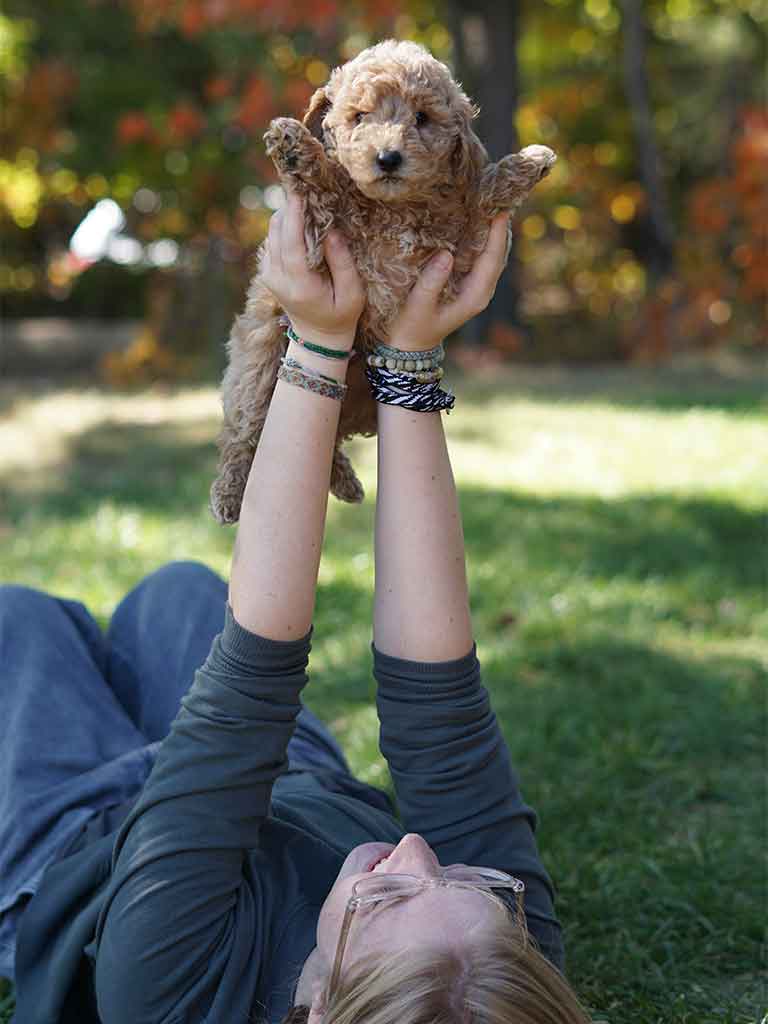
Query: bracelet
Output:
(438,352)
(422,375)
(392,388)
(304,380)
(397,359)
(311,371)
(409,365)
(329,353)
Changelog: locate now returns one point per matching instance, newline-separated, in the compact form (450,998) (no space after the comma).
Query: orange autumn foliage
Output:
(185,122)
(133,127)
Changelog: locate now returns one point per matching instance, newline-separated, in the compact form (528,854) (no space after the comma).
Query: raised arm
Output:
(279,539)
(181,903)
(450,765)
(421,606)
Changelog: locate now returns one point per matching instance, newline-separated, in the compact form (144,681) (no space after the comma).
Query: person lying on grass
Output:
(215,859)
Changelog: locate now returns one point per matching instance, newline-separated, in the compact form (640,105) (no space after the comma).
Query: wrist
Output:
(413,343)
(341,340)
(336,368)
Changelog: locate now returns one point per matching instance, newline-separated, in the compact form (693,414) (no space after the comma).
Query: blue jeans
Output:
(83,714)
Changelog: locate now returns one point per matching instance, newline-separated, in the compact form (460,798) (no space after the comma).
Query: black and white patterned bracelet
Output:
(392,388)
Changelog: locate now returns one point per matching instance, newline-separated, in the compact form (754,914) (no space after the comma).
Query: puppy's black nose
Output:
(389,159)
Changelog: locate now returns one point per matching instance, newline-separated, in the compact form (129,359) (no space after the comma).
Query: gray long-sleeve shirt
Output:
(204,904)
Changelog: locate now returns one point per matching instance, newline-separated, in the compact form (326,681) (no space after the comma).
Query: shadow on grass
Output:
(638,537)
(161,468)
(645,768)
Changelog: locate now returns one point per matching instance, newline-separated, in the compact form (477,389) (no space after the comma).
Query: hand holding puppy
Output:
(322,307)
(424,321)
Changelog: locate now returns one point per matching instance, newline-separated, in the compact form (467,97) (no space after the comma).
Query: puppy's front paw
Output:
(288,143)
(542,156)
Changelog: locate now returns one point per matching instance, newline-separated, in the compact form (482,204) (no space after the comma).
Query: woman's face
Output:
(436,918)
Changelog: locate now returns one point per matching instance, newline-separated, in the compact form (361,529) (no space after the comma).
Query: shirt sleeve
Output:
(181,906)
(454,779)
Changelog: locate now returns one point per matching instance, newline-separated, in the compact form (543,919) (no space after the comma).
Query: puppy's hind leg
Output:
(228,488)
(345,484)
(358,416)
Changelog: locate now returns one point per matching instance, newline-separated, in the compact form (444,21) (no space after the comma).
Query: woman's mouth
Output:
(379,860)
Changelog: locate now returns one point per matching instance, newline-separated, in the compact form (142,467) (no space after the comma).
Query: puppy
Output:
(386,153)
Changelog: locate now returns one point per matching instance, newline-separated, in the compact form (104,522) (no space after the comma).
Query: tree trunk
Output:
(485,34)
(658,239)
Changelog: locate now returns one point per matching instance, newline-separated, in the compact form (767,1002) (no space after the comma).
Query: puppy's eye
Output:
(421,118)
(359,116)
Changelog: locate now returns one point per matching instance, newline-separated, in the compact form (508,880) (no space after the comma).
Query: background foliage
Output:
(161,105)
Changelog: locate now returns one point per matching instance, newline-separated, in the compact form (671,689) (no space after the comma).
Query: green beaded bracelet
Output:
(329,353)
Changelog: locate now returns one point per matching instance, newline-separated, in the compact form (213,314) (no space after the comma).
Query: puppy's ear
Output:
(319,106)
(469,155)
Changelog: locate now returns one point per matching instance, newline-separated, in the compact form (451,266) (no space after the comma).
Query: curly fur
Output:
(444,196)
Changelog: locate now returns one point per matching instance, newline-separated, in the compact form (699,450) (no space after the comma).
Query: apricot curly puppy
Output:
(386,153)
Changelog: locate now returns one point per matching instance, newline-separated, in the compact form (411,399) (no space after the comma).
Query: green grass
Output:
(616,544)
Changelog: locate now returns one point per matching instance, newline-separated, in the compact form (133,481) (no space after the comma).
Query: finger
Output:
(338,256)
(271,267)
(262,261)
(275,241)
(294,246)
(432,279)
(477,288)
(490,263)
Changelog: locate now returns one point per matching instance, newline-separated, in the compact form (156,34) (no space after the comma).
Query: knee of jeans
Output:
(26,603)
(184,573)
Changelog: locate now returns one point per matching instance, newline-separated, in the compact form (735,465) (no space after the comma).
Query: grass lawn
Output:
(616,544)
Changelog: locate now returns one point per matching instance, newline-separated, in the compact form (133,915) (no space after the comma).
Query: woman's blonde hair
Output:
(502,980)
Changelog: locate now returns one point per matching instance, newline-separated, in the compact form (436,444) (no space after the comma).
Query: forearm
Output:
(421,603)
(279,538)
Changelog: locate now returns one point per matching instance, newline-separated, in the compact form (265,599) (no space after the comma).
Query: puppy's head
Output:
(399,123)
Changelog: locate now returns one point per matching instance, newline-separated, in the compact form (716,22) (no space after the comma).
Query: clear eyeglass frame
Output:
(378,888)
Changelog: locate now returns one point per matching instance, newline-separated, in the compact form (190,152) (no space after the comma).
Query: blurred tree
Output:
(659,249)
(486,39)
(705,69)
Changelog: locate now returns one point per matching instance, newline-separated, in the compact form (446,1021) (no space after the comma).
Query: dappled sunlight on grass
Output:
(566,449)
(36,431)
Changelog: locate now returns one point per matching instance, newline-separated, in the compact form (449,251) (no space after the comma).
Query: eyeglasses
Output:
(378,888)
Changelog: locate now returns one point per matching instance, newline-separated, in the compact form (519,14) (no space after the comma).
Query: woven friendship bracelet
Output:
(311,371)
(392,388)
(320,387)
(321,350)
